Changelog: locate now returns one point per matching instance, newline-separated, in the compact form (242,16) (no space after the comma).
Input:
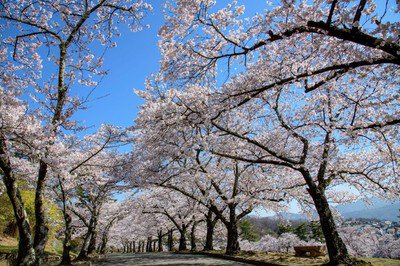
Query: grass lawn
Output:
(383,262)
(48,250)
(8,249)
(288,258)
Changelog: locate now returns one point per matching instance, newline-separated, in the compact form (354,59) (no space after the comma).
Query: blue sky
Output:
(135,57)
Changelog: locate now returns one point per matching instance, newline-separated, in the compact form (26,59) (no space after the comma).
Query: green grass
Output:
(49,250)
(382,262)
(288,258)
(8,249)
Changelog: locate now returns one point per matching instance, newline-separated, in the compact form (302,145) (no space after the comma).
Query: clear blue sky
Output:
(135,58)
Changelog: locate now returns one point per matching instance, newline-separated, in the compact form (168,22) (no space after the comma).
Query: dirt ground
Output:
(8,241)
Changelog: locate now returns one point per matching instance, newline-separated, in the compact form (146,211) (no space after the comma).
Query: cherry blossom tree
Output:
(182,211)
(62,31)
(314,90)
(111,213)
(283,243)
(21,145)
(325,144)
(80,155)
(351,34)
(174,156)
(369,241)
(95,188)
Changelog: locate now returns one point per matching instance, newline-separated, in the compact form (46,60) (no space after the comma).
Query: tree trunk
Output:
(104,238)
(93,237)
(160,235)
(170,240)
(193,246)
(83,254)
(92,243)
(102,249)
(133,246)
(143,246)
(149,245)
(104,241)
(26,252)
(66,257)
(232,246)
(209,245)
(41,229)
(154,246)
(182,239)
(337,250)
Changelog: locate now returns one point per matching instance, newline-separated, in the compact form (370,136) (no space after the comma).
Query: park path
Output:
(159,259)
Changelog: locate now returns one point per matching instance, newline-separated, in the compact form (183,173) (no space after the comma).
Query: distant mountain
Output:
(289,216)
(379,210)
(361,205)
(388,212)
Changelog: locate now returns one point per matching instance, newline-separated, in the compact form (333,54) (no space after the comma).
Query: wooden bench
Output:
(309,251)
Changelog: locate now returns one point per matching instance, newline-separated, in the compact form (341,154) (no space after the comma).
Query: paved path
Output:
(159,259)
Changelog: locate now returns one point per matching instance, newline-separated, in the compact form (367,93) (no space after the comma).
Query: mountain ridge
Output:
(379,210)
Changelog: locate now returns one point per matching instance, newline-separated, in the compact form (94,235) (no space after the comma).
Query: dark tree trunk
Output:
(154,246)
(209,245)
(26,252)
(143,246)
(133,246)
(337,250)
(83,254)
(41,229)
(92,243)
(182,239)
(139,246)
(232,246)
(93,238)
(104,238)
(66,257)
(170,240)
(102,249)
(149,245)
(160,236)
(11,229)
(193,246)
